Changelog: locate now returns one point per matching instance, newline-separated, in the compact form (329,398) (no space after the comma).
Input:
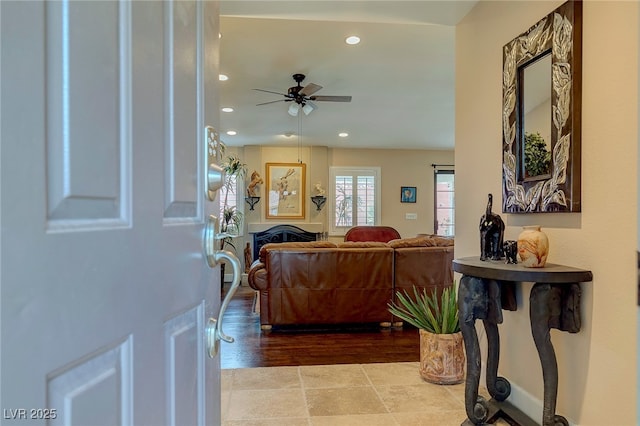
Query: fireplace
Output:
(282,234)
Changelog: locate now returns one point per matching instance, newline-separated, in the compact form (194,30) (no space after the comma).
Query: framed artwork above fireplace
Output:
(285,187)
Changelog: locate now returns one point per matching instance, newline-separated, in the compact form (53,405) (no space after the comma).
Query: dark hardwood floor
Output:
(294,347)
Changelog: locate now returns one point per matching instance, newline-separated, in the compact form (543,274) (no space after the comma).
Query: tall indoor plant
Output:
(231,219)
(441,345)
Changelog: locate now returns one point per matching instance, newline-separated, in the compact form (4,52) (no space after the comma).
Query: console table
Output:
(486,288)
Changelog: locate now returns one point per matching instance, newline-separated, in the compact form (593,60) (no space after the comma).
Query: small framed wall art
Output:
(407,194)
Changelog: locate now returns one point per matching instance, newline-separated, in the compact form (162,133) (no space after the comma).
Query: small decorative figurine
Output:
(255,181)
(319,190)
(491,234)
(511,251)
(247,258)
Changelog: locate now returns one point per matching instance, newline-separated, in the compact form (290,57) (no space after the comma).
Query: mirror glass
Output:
(536,118)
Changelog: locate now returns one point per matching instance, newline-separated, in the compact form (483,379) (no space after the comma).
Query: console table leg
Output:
(499,387)
(470,295)
(546,303)
(476,409)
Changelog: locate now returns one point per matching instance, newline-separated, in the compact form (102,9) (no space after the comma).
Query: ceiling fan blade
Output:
(269,91)
(331,98)
(309,89)
(271,102)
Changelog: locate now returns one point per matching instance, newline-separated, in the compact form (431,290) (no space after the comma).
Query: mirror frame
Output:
(560,32)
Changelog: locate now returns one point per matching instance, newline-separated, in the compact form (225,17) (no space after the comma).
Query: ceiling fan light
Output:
(308,108)
(293,109)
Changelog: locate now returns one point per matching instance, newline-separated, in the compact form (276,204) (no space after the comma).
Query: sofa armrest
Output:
(257,277)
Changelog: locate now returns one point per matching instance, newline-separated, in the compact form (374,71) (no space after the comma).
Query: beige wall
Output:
(597,367)
(398,168)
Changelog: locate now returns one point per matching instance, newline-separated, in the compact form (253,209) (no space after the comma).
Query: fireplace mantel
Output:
(256,227)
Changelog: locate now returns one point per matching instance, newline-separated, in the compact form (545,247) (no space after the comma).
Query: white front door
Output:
(105,290)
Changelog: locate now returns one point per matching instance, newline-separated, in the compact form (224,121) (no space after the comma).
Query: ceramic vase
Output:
(533,247)
(441,358)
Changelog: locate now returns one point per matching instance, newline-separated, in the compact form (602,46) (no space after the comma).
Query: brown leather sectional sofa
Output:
(322,282)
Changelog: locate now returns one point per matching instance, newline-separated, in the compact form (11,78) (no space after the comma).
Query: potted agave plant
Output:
(441,346)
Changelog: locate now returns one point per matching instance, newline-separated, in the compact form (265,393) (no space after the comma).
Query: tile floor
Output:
(339,395)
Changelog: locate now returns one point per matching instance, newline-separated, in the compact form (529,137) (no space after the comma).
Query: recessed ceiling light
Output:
(223,77)
(352,39)
(343,134)
(232,133)
(227,109)
(288,134)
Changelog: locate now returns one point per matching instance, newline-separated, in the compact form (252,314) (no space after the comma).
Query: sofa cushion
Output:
(409,242)
(424,241)
(301,244)
(361,244)
(439,240)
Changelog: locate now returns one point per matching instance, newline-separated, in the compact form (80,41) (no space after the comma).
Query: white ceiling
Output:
(401,75)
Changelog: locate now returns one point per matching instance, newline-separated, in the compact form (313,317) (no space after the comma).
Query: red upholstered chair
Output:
(382,234)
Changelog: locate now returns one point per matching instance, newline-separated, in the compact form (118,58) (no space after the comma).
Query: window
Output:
(231,200)
(444,203)
(354,194)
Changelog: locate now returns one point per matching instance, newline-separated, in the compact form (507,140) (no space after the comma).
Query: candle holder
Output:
(319,201)
(251,201)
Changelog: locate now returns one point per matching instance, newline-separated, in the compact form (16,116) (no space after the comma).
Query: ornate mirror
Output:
(541,103)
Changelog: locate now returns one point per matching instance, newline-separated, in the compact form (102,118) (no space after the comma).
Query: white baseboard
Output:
(530,405)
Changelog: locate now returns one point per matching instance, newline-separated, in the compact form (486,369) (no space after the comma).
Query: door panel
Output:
(87,81)
(182,89)
(102,382)
(183,351)
(105,288)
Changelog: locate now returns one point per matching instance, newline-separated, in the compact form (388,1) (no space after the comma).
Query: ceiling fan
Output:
(302,97)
